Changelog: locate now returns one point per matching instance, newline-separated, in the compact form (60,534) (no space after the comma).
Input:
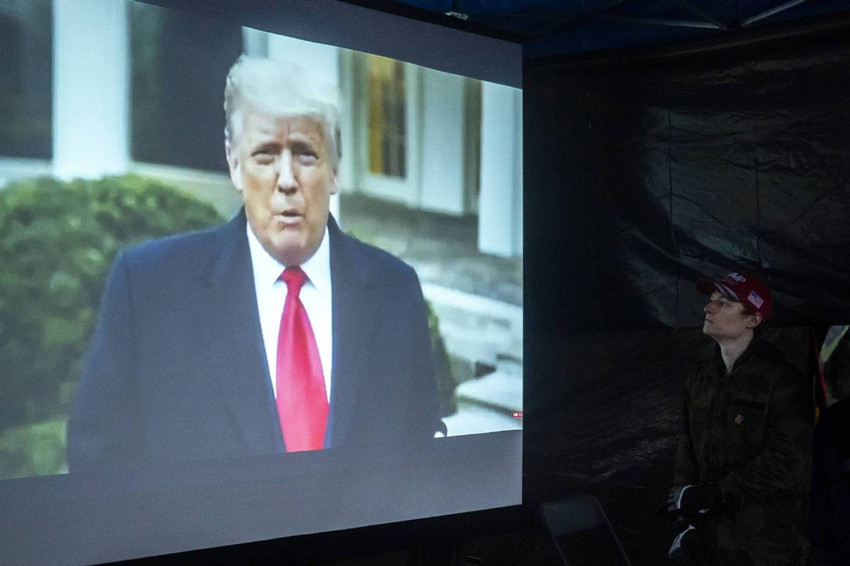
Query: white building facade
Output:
(423,138)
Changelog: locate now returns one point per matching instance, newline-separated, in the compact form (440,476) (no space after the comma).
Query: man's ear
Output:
(754,320)
(335,186)
(233,165)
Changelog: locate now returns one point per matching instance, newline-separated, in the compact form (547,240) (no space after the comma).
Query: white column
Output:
(323,61)
(442,142)
(91,101)
(320,59)
(500,201)
(346,120)
(255,43)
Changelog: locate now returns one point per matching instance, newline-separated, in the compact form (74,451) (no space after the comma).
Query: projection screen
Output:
(113,149)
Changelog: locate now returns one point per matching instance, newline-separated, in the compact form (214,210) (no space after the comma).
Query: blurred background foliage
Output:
(446,382)
(57,242)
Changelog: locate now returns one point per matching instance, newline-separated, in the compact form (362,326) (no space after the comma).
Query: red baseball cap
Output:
(743,288)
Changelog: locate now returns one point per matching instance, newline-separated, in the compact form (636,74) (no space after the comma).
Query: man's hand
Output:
(693,499)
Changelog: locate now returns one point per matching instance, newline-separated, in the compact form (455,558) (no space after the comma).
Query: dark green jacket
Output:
(750,432)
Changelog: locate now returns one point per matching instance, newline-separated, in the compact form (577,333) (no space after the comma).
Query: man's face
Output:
(283,169)
(727,319)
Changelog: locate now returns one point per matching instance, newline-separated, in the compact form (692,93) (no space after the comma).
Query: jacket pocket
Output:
(745,425)
(746,413)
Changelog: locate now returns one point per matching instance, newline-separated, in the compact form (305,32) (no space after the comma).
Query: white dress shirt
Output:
(315,295)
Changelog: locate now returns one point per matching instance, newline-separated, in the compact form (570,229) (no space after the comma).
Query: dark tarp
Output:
(644,171)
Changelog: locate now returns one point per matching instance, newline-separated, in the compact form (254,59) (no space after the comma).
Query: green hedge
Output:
(57,242)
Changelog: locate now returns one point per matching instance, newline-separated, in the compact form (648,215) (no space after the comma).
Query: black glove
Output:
(693,499)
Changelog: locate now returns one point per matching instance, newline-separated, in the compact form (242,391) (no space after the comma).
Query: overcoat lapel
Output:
(354,325)
(235,334)
(236,337)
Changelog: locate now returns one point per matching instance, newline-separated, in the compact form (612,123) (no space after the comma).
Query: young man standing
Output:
(743,460)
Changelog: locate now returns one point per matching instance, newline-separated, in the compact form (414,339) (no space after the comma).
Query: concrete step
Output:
(475,328)
(500,391)
(490,403)
(474,419)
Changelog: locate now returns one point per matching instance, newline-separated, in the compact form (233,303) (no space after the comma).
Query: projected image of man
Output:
(274,332)
(743,459)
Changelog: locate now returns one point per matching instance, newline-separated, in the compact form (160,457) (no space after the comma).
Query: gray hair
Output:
(284,89)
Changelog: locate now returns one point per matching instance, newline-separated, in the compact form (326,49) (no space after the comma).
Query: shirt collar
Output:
(267,269)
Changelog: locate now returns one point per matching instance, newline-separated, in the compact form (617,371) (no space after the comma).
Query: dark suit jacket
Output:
(177,369)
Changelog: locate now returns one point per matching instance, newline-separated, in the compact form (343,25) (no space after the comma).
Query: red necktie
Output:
(302,405)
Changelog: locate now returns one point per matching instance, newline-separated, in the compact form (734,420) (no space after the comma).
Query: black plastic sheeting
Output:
(646,171)
(643,172)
